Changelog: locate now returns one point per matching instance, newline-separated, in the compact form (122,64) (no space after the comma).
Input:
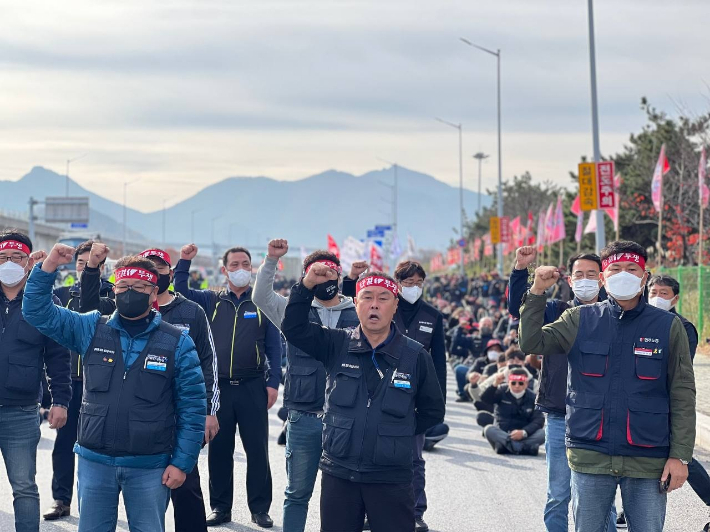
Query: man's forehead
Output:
(238,256)
(373,289)
(585,265)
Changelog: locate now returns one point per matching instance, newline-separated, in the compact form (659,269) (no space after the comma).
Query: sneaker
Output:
(621,520)
(464,399)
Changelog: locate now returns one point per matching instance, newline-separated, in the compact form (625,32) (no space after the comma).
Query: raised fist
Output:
(545,277)
(318,274)
(524,257)
(278,247)
(474,377)
(357,269)
(500,377)
(38,256)
(188,252)
(60,254)
(98,254)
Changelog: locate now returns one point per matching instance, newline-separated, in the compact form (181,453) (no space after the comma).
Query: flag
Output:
(592,223)
(333,246)
(411,247)
(704,190)
(529,237)
(477,249)
(577,210)
(353,251)
(540,230)
(549,224)
(376,261)
(487,245)
(515,233)
(558,224)
(662,168)
(395,248)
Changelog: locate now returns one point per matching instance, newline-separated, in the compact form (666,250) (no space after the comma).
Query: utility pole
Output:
(480,156)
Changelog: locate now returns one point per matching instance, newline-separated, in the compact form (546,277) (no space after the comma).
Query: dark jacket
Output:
(370,421)
(511,413)
(691,331)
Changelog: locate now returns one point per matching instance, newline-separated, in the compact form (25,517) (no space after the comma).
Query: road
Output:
(470,489)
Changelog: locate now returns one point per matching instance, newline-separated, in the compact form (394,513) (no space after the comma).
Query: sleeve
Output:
(273,345)
(438,354)
(190,405)
(557,337)
(536,422)
(319,342)
(349,286)
(681,386)
(70,329)
(490,394)
(516,290)
(204,343)
(90,290)
(204,298)
(692,333)
(263,295)
(57,360)
(429,402)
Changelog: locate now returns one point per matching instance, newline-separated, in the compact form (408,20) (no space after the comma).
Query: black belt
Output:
(237,381)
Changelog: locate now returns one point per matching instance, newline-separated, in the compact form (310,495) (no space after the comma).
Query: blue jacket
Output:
(75,331)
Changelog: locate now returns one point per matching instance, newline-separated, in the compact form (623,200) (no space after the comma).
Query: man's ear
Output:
(224,270)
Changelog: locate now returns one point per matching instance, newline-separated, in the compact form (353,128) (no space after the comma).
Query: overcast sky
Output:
(185,93)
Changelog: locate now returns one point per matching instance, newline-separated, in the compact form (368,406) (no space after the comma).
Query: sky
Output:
(178,94)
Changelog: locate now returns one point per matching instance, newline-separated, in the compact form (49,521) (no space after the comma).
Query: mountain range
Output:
(250,210)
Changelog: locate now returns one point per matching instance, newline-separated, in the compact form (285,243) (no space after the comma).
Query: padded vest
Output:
(421,329)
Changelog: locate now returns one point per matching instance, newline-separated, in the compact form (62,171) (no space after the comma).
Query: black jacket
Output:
(511,413)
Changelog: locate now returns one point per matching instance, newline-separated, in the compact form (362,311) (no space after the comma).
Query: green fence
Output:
(694,295)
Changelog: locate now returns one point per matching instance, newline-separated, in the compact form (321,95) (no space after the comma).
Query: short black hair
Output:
(318,256)
(407,269)
(514,352)
(136,261)
(519,371)
(583,256)
(15,234)
(237,249)
(623,246)
(665,280)
(83,248)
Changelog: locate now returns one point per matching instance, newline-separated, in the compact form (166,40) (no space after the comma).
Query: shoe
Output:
(366,526)
(463,399)
(262,519)
(59,510)
(706,528)
(218,517)
(531,451)
(420,525)
(621,520)
(429,445)
(281,440)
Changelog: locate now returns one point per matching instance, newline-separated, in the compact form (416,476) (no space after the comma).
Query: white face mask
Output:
(239,278)
(411,293)
(11,274)
(517,395)
(623,286)
(585,289)
(493,355)
(659,302)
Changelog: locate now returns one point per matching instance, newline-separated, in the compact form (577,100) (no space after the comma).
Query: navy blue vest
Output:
(617,392)
(375,433)
(421,328)
(129,412)
(304,387)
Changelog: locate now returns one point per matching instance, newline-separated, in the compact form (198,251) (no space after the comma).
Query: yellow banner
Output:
(494,224)
(588,199)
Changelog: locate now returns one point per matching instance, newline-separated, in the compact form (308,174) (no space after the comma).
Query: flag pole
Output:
(561,252)
(660,228)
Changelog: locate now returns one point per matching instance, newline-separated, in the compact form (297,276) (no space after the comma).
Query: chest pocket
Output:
(649,361)
(98,370)
(345,390)
(152,382)
(397,400)
(594,357)
(303,384)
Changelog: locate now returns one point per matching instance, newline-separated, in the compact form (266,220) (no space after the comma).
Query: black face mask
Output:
(163,283)
(513,366)
(131,304)
(327,291)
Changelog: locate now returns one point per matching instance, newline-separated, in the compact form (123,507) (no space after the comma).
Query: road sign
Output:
(605,184)
(383,228)
(462,243)
(588,200)
(79,226)
(494,224)
(374,233)
(66,210)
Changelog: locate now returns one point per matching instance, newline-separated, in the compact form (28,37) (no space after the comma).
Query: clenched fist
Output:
(318,274)
(278,247)
(99,252)
(188,252)
(357,269)
(60,254)
(524,257)
(38,256)
(545,277)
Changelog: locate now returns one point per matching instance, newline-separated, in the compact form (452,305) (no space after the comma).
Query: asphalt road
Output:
(470,488)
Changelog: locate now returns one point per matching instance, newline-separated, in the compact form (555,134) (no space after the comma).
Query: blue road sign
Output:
(79,226)
(383,228)
(462,243)
(375,234)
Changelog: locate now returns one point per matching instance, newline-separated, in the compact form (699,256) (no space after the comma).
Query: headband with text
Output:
(156,253)
(517,378)
(136,273)
(14,245)
(624,257)
(375,280)
(328,263)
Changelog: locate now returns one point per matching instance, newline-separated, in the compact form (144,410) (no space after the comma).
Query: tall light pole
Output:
(66,182)
(460,128)
(125,186)
(395,202)
(601,235)
(480,156)
(496,54)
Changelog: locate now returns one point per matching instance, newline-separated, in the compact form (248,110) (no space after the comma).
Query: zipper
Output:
(120,391)
(367,415)
(234,333)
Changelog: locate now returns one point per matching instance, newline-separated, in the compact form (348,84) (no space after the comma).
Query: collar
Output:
(360,344)
(227,293)
(618,312)
(5,299)
(115,322)
(406,305)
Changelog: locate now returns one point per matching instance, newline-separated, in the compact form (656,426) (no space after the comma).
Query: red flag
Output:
(662,168)
(549,223)
(577,209)
(529,237)
(558,223)
(541,230)
(704,190)
(333,246)
(376,258)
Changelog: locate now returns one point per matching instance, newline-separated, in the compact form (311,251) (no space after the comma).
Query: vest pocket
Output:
(649,367)
(92,419)
(23,372)
(151,385)
(585,416)
(394,445)
(303,381)
(336,435)
(149,430)
(594,358)
(396,401)
(97,374)
(344,391)
(647,421)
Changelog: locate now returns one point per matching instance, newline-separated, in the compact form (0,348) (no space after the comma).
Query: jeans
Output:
(559,477)
(304,445)
(144,496)
(19,437)
(592,495)
(460,373)
(699,480)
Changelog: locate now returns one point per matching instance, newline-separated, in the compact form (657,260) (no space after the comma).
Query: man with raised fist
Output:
(142,416)
(381,390)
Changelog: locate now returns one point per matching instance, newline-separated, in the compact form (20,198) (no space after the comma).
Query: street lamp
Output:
(66,182)
(460,128)
(395,201)
(500,159)
(125,186)
(480,156)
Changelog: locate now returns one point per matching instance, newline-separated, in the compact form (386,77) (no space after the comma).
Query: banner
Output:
(587,186)
(411,247)
(477,249)
(704,190)
(353,251)
(558,223)
(605,184)
(662,168)
(494,226)
(377,263)
(549,223)
(540,231)
(487,245)
(333,246)
(577,210)
(505,229)
(529,236)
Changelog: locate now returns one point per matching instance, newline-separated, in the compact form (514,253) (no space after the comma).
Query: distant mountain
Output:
(250,210)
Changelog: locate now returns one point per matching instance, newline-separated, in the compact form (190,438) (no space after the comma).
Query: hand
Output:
(474,377)
(98,254)
(173,477)
(37,257)
(677,471)
(517,435)
(524,257)
(188,252)
(534,361)
(60,254)
(318,274)
(357,269)
(211,428)
(545,277)
(57,417)
(272,395)
(277,248)
(500,377)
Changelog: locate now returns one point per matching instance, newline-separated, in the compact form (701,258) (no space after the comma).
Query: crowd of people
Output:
(143,373)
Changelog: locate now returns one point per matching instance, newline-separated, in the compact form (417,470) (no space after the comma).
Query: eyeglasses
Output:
(518,383)
(409,284)
(143,288)
(16,258)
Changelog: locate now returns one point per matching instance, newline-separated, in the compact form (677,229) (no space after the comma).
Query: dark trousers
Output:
(501,442)
(188,505)
(343,504)
(699,480)
(242,404)
(63,452)
(418,476)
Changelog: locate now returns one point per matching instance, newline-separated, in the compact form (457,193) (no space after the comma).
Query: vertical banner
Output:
(605,185)
(587,186)
(494,226)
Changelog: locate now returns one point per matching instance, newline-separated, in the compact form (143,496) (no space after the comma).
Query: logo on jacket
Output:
(156,362)
(351,366)
(649,340)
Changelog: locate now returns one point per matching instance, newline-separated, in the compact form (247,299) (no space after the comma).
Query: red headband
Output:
(156,253)
(517,378)
(375,280)
(624,257)
(136,273)
(328,263)
(14,245)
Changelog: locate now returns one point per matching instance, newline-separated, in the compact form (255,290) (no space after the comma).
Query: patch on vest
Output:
(426,329)
(156,362)
(351,366)
(250,314)
(649,340)
(102,350)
